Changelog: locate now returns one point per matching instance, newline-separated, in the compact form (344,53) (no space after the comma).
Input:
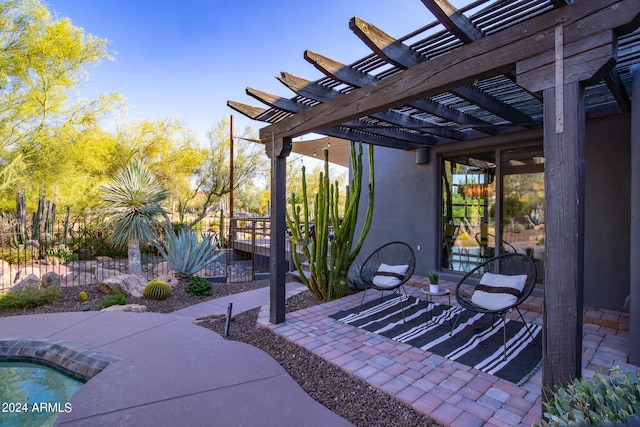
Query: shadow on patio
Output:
(449,392)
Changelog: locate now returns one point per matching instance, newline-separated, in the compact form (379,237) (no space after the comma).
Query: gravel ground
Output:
(340,392)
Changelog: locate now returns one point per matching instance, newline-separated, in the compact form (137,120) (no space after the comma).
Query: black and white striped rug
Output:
(473,342)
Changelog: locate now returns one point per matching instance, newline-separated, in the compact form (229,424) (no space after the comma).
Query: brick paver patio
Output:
(449,392)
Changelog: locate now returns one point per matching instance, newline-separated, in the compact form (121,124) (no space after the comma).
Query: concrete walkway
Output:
(172,372)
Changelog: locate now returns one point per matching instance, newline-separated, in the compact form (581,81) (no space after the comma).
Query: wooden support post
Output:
(634,252)
(558,72)
(278,152)
(564,245)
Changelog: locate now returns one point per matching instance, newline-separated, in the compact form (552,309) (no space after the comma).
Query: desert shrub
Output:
(15,256)
(595,401)
(157,289)
(63,253)
(115,299)
(199,287)
(28,298)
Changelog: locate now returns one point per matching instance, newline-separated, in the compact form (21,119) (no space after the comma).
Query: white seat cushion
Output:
(389,276)
(498,291)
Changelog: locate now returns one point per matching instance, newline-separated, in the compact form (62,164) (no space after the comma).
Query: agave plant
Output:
(185,254)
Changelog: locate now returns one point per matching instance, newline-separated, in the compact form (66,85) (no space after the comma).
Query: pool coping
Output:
(75,360)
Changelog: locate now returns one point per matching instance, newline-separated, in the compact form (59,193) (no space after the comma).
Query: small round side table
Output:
(429,299)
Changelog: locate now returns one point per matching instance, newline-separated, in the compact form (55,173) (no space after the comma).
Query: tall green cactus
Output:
(330,256)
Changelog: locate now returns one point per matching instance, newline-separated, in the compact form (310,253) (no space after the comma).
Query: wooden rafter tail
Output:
(254,113)
(453,20)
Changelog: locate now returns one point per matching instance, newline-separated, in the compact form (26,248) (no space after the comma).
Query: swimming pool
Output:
(34,395)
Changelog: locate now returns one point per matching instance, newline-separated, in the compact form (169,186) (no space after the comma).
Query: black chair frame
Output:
(508,264)
(394,253)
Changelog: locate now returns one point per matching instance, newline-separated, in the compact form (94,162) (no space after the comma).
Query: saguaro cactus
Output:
(330,254)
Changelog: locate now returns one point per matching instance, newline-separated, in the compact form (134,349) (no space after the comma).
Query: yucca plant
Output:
(185,254)
(132,208)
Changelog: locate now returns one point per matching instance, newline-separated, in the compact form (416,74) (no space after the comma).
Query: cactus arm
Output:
(294,239)
(369,217)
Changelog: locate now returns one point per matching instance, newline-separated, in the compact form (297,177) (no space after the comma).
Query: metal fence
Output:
(80,254)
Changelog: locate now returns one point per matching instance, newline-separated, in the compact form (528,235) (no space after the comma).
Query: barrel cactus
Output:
(82,296)
(157,289)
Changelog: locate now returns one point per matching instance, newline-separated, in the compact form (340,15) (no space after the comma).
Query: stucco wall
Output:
(407,206)
(607,212)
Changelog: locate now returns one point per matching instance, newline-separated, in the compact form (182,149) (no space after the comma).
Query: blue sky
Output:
(186,58)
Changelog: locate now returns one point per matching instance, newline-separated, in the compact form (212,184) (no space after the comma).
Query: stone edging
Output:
(75,360)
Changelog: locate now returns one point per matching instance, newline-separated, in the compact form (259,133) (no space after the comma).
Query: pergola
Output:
(490,68)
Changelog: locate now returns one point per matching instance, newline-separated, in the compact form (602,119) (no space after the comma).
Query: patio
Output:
(449,392)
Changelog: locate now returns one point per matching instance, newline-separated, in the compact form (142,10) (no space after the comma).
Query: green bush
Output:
(157,289)
(15,256)
(115,299)
(63,253)
(595,401)
(199,287)
(28,298)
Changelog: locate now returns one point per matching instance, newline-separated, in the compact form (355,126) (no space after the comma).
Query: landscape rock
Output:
(169,278)
(130,284)
(130,308)
(30,281)
(50,279)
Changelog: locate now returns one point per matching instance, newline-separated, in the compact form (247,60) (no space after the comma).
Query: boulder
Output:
(30,281)
(102,273)
(24,272)
(130,284)
(104,260)
(169,278)
(131,308)
(50,279)
(5,275)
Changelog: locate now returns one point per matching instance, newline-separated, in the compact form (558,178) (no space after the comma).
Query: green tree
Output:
(42,62)
(132,208)
(170,150)
(213,179)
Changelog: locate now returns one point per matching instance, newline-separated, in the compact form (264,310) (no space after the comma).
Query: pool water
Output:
(33,395)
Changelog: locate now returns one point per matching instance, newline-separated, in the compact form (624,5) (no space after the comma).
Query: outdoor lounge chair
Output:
(486,251)
(496,287)
(390,267)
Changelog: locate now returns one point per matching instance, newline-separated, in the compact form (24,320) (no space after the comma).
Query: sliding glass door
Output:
(489,197)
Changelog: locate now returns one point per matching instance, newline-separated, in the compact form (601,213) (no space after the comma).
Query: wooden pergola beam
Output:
(491,55)
(453,20)
(353,77)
